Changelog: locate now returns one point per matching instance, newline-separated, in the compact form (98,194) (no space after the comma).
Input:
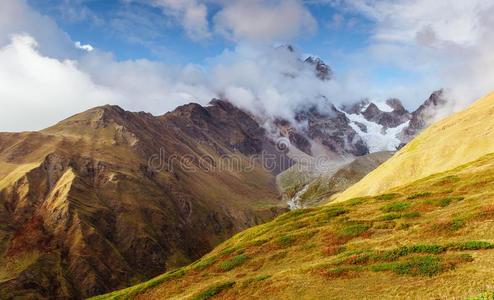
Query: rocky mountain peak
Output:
(356,108)
(332,129)
(424,115)
(396,105)
(323,71)
(388,119)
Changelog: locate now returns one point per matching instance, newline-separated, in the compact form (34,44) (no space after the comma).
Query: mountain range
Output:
(109,198)
(419,226)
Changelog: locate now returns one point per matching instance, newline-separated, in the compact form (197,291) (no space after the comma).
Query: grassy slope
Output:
(433,238)
(458,139)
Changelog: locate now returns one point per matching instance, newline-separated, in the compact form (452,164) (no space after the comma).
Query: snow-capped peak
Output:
(383,106)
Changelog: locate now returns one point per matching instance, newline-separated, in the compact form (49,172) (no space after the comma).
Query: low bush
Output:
(203,263)
(355,201)
(411,215)
(443,202)
(471,245)
(394,216)
(233,262)
(214,290)
(385,225)
(419,195)
(418,266)
(352,229)
(389,217)
(396,206)
(286,240)
(335,211)
(447,225)
(447,180)
(387,197)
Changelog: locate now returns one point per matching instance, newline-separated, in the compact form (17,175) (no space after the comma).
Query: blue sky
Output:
(122,28)
(153,55)
(136,29)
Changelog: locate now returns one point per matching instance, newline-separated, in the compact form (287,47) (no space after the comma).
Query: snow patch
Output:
(383,106)
(377,138)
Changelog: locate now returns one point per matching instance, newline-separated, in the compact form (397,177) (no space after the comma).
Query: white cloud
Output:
(147,85)
(17,17)
(446,42)
(257,20)
(37,90)
(43,84)
(192,14)
(86,47)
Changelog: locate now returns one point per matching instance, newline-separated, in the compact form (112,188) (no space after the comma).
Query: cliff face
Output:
(108,198)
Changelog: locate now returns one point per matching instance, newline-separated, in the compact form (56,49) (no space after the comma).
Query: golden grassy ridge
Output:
(433,238)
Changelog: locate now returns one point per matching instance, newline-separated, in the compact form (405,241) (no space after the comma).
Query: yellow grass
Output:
(313,253)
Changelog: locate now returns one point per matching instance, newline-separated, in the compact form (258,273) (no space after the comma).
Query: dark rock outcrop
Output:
(424,115)
(322,70)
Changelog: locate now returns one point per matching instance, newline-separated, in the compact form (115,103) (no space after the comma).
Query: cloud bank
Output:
(446,42)
(46,76)
(266,21)
(43,87)
(36,90)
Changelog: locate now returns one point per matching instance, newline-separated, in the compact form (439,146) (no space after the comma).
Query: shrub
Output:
(471,245)
(419,195)
(382,267)
(447,180)
(258,278)
(352,229)
(419,265)
(404,226)
(341,271)
(386,225)
(358,259)
(426,248)
(456,224)
(394,254)
(203,263)
(335,211)
(355,201)
(214,290)
(262,277)
(332,250)
(233,262)
(228,250)
(411,215)
(489,295)
(451,225)
(286,240)
(389,217)
(396,206)
(292,215)
(387,197)
(443,202)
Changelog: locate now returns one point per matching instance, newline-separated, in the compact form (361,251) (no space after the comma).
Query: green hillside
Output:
(433,238)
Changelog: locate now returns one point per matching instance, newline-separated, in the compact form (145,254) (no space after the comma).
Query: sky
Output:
(60,57)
